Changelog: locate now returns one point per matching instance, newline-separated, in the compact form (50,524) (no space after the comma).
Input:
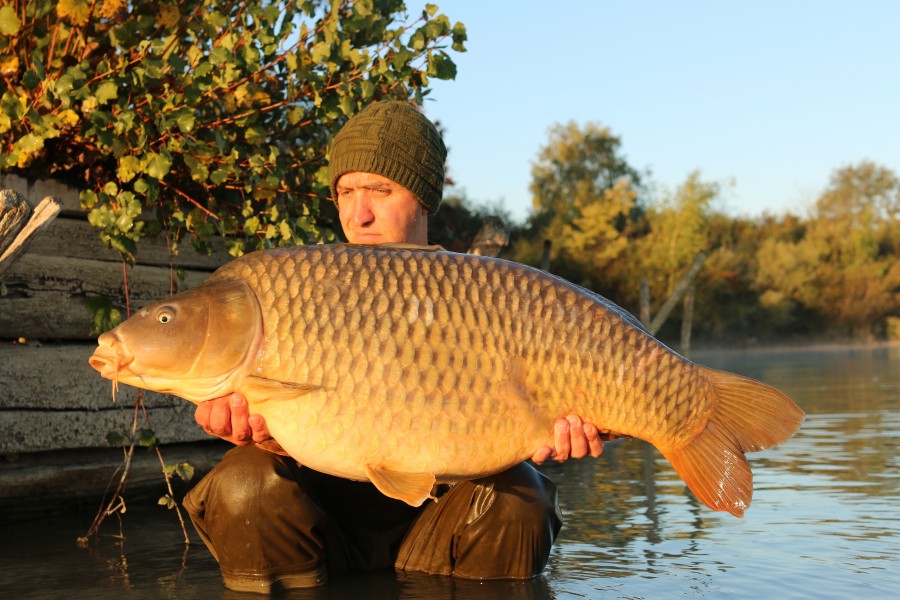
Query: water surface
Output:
(822,523)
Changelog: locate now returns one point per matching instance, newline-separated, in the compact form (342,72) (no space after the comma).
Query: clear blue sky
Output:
(766,98)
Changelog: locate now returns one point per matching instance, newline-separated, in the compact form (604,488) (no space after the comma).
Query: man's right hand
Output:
(229,418)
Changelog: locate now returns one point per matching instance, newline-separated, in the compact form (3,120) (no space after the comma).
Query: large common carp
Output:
(408,366)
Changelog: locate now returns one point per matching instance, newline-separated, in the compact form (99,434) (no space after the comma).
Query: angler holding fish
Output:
(397,374)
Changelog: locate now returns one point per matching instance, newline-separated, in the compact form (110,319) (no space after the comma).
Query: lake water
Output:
(823,521)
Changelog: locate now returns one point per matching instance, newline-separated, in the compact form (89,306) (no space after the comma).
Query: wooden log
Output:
(41,484)
(35,431)
(32,189)
(677,293)
(14,213)
(45,212)
(76,238)
(53,399)
(43,297)
(687,320)
(644,300)
(57,377)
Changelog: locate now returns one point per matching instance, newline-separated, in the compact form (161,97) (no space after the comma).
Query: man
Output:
(274,525)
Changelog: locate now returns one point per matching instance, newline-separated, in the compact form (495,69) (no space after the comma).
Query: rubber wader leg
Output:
(260,525)
(498,527)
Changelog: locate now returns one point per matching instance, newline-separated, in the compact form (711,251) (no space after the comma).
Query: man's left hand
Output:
(572,439)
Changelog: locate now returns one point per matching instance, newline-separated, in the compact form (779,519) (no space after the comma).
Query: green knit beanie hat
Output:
(394,140)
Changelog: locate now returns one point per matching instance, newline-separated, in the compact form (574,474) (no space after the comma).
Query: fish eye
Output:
(165,315)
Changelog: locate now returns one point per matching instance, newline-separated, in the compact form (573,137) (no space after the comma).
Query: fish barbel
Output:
(407,366)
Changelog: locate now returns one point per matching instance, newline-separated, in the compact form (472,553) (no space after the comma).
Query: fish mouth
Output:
(111,357)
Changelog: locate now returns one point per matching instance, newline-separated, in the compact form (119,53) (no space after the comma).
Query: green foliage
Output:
(676,231)
(585,197)
(204,116)
(846,265)
(184,470)
(837,272)
(104,316)
(573,172)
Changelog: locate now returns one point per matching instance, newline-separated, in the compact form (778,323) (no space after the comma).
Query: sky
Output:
(765,98)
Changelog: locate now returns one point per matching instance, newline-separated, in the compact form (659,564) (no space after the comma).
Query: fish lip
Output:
(111,356)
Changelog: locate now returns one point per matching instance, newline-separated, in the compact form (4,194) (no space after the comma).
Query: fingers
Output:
(561,440)
(541,454)
(572,438)
(260,432)
(577,440)
(595,444)
(229,418)
(241,430)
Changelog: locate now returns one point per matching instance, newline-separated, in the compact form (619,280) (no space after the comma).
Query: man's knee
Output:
(257,520)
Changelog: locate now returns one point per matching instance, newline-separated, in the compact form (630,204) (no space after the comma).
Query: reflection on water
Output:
(822,521)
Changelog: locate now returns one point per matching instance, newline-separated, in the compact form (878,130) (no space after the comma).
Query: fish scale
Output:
(410,366)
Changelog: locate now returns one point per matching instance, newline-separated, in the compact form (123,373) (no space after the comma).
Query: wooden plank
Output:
(35,189)
(43,297)
(44,483)
(58,377)
(24,431)
(76,238)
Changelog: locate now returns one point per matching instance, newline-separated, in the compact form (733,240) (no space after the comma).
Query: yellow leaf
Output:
(76,12)
(109,9)
(168,15)
(9,66)
(69,117)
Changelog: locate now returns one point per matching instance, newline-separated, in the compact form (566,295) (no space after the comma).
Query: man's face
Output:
(375,210)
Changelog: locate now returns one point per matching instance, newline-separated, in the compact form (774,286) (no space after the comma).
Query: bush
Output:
(203,117)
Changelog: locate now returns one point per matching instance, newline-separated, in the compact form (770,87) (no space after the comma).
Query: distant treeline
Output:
(832,273)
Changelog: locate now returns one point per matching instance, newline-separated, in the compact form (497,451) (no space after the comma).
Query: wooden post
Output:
(645,302)
(686,321)
(677,293)
(15,233)
(545,259)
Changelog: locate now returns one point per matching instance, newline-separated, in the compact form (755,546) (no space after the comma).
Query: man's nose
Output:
(362,210)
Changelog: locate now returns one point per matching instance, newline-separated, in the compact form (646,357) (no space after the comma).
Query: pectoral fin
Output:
(412,488)
(261,389)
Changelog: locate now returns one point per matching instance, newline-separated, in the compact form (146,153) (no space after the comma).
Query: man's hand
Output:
(229,418)
(573,439)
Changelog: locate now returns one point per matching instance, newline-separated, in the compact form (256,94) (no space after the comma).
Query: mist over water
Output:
(822,524)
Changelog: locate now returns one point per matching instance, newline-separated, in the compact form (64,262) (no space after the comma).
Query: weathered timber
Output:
(38,220)
(680,288)
(76,238)
(37,431)
(41,484)
(43,297)
(55,410)
(57,377)
(14,213)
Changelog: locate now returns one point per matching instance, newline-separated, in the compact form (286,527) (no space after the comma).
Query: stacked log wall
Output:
(53,405)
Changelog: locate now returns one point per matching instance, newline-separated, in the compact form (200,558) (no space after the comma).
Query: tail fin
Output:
(748,417)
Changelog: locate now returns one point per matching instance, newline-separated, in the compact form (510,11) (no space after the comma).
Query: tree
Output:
(203,116)
(846,265)
(584,197)
(572,173)
(676,231)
